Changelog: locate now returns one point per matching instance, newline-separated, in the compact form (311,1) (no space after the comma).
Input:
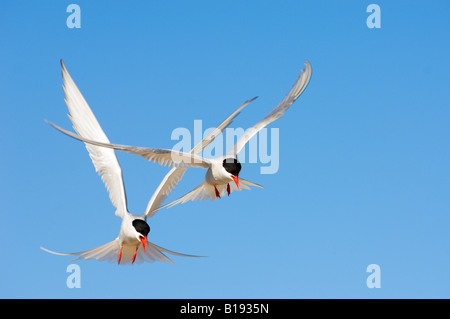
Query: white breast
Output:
(217,175)
(127,235)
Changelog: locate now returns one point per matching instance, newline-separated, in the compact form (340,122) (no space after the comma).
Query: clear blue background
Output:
(364,153)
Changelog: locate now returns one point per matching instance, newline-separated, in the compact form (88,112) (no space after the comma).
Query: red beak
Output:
(144,241)
(236,180)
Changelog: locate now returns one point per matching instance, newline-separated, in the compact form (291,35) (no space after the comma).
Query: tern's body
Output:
(222,175)
(216,174)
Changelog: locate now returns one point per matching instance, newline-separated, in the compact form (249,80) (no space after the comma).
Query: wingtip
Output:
(48,250)
(50,123)
(193,256)
(63,69)
(307,65)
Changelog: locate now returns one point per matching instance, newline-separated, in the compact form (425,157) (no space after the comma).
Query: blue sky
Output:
(364,153)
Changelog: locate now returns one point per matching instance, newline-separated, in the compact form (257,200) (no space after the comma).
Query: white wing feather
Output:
(86,125)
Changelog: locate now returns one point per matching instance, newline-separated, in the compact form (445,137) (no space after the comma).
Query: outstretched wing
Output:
(175,175)
(161,156)
(86,125)
(108,252)
(297,89)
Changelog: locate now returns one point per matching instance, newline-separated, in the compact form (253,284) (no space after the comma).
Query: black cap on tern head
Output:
(141,227)
(232,166)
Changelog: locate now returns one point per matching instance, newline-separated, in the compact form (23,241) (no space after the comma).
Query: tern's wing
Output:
(161,156)
(110,252)
(175,175)
(156,253)
(218,130)
(203,191)
(277,112)
(86,125)
(167,185)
